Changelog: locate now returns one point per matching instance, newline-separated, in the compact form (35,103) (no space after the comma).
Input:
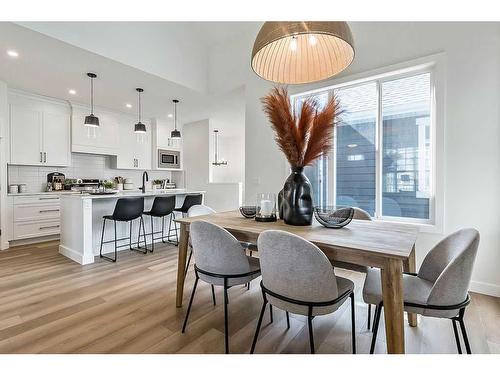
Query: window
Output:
(382,160)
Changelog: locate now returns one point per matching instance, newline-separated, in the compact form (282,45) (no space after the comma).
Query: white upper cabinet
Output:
(103,140)
(162,136)
(39,131)
(134,149)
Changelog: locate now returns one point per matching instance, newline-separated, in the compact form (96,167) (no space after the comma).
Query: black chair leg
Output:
(309,323)
(259,323)
(213,295)
(271,313)
(287,320)
(188,261)
(141,225)
(369,315)
(457,338)
(353,324)
(163,229)
(102,237)
(376,321)
(190,303)
(130,235)
(152,236)
(464,331)
(226,324)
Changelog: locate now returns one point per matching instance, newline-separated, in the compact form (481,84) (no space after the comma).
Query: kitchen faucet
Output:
(145,178)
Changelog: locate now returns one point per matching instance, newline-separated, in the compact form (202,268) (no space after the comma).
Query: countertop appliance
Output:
(78,184)
(169,159)
(56,179)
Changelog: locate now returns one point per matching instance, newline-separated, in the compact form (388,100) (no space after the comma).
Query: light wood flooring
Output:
(49,304)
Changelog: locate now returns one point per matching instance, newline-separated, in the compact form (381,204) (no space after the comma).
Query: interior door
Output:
(25,135)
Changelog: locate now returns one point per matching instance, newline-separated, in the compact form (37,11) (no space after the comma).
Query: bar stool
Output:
(162,207)
(189,201)
(127,210)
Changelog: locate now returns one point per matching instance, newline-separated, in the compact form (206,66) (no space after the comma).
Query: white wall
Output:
(4,151)
(472,136)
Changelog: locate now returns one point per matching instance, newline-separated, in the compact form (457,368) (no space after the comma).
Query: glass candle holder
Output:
(266,207)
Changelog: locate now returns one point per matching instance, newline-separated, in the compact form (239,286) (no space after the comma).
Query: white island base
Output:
(81,223)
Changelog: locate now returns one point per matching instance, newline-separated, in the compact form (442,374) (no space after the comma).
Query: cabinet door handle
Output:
(45,157)
(47,198)
(54,210)
(41,158)
(49,227)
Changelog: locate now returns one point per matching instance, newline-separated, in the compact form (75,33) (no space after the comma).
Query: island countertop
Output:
(134,193)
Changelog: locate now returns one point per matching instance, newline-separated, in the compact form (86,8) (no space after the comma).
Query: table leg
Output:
(181,264)
(392,294)
(409,265)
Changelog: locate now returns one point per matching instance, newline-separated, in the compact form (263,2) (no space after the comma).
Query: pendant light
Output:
(91,120)
(139,128)
(216,161)
(175,133)
(302,52)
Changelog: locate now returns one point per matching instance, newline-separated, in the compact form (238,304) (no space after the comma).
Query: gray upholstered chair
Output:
(219,261)
(439,289)
(298,277)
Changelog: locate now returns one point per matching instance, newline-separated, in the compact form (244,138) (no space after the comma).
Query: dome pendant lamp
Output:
(139,128)
(175,133)
(302,52)
(91,120)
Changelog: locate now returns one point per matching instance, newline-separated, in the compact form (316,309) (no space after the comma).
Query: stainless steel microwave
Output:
(169,159)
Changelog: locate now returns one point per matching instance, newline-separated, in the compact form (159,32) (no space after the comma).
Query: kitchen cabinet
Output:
(134,150)
(39,131)
(103,140)
(162,131)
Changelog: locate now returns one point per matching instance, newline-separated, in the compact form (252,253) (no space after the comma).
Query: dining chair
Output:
(219,261)
(439,289)
(298,278)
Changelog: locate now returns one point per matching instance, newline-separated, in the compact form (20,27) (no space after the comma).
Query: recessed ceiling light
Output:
(170,115)
(72,92)
(128,105)
(12,53)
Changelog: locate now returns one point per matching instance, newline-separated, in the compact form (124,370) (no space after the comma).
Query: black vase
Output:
(297,206)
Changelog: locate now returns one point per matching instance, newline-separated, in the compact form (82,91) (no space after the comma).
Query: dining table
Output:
(389,246)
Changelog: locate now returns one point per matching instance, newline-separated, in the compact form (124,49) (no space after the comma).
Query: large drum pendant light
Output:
(91,120)
(302,52)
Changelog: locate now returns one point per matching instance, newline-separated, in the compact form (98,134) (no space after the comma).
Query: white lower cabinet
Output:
(35,216)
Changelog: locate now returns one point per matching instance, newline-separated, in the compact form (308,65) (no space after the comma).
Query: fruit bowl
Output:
(334,216)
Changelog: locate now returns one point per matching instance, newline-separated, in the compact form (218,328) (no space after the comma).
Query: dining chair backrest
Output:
(360,214)
(127,209)
(449,266)
(200,210)
(216,250)
(295,268)
(163,206)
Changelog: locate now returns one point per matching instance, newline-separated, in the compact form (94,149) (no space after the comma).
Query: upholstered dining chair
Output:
(219,261)
(298,277)
(439,289)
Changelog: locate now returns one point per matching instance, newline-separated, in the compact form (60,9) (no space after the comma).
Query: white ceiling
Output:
(51,67)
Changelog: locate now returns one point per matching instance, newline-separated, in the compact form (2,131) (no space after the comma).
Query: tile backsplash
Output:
(82,166)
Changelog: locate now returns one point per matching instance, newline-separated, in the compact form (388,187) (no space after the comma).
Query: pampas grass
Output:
(302,138)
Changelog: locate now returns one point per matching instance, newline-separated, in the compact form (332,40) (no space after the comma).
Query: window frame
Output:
(434,65)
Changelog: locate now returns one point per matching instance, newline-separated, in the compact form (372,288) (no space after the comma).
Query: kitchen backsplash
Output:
(82,166)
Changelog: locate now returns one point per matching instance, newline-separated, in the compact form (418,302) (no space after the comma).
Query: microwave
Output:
(169,159)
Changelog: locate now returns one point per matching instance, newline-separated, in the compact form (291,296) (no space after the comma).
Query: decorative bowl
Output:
(248,211)
(334,216)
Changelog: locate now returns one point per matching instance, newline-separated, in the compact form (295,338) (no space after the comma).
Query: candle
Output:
(266,207)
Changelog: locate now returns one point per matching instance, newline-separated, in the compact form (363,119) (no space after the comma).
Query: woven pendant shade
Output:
(302,52)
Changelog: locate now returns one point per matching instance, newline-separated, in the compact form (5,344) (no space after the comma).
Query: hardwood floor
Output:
(49,304)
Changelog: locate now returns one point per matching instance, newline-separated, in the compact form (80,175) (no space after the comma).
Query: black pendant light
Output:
(175,133)
(91,120)
(139,128)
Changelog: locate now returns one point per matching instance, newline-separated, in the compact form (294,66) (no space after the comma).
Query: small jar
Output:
(23,188)
(13,189)
(266,207)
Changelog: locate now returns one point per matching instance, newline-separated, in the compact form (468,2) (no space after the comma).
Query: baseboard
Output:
(75,256)
(485,288)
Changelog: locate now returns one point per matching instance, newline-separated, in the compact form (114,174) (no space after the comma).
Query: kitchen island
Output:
(81,222)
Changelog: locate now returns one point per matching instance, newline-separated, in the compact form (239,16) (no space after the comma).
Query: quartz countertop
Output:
(134,193)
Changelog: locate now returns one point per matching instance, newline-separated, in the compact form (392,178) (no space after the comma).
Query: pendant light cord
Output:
(175,115)
(92,96)
(139,106)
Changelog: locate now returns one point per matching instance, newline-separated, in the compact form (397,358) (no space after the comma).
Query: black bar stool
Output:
(189,201)
(126,209)
(162,207)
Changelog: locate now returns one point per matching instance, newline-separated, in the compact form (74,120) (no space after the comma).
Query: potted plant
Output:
(303,138)
(108,185)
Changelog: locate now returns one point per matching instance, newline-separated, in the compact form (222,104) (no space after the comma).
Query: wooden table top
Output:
(391,240)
